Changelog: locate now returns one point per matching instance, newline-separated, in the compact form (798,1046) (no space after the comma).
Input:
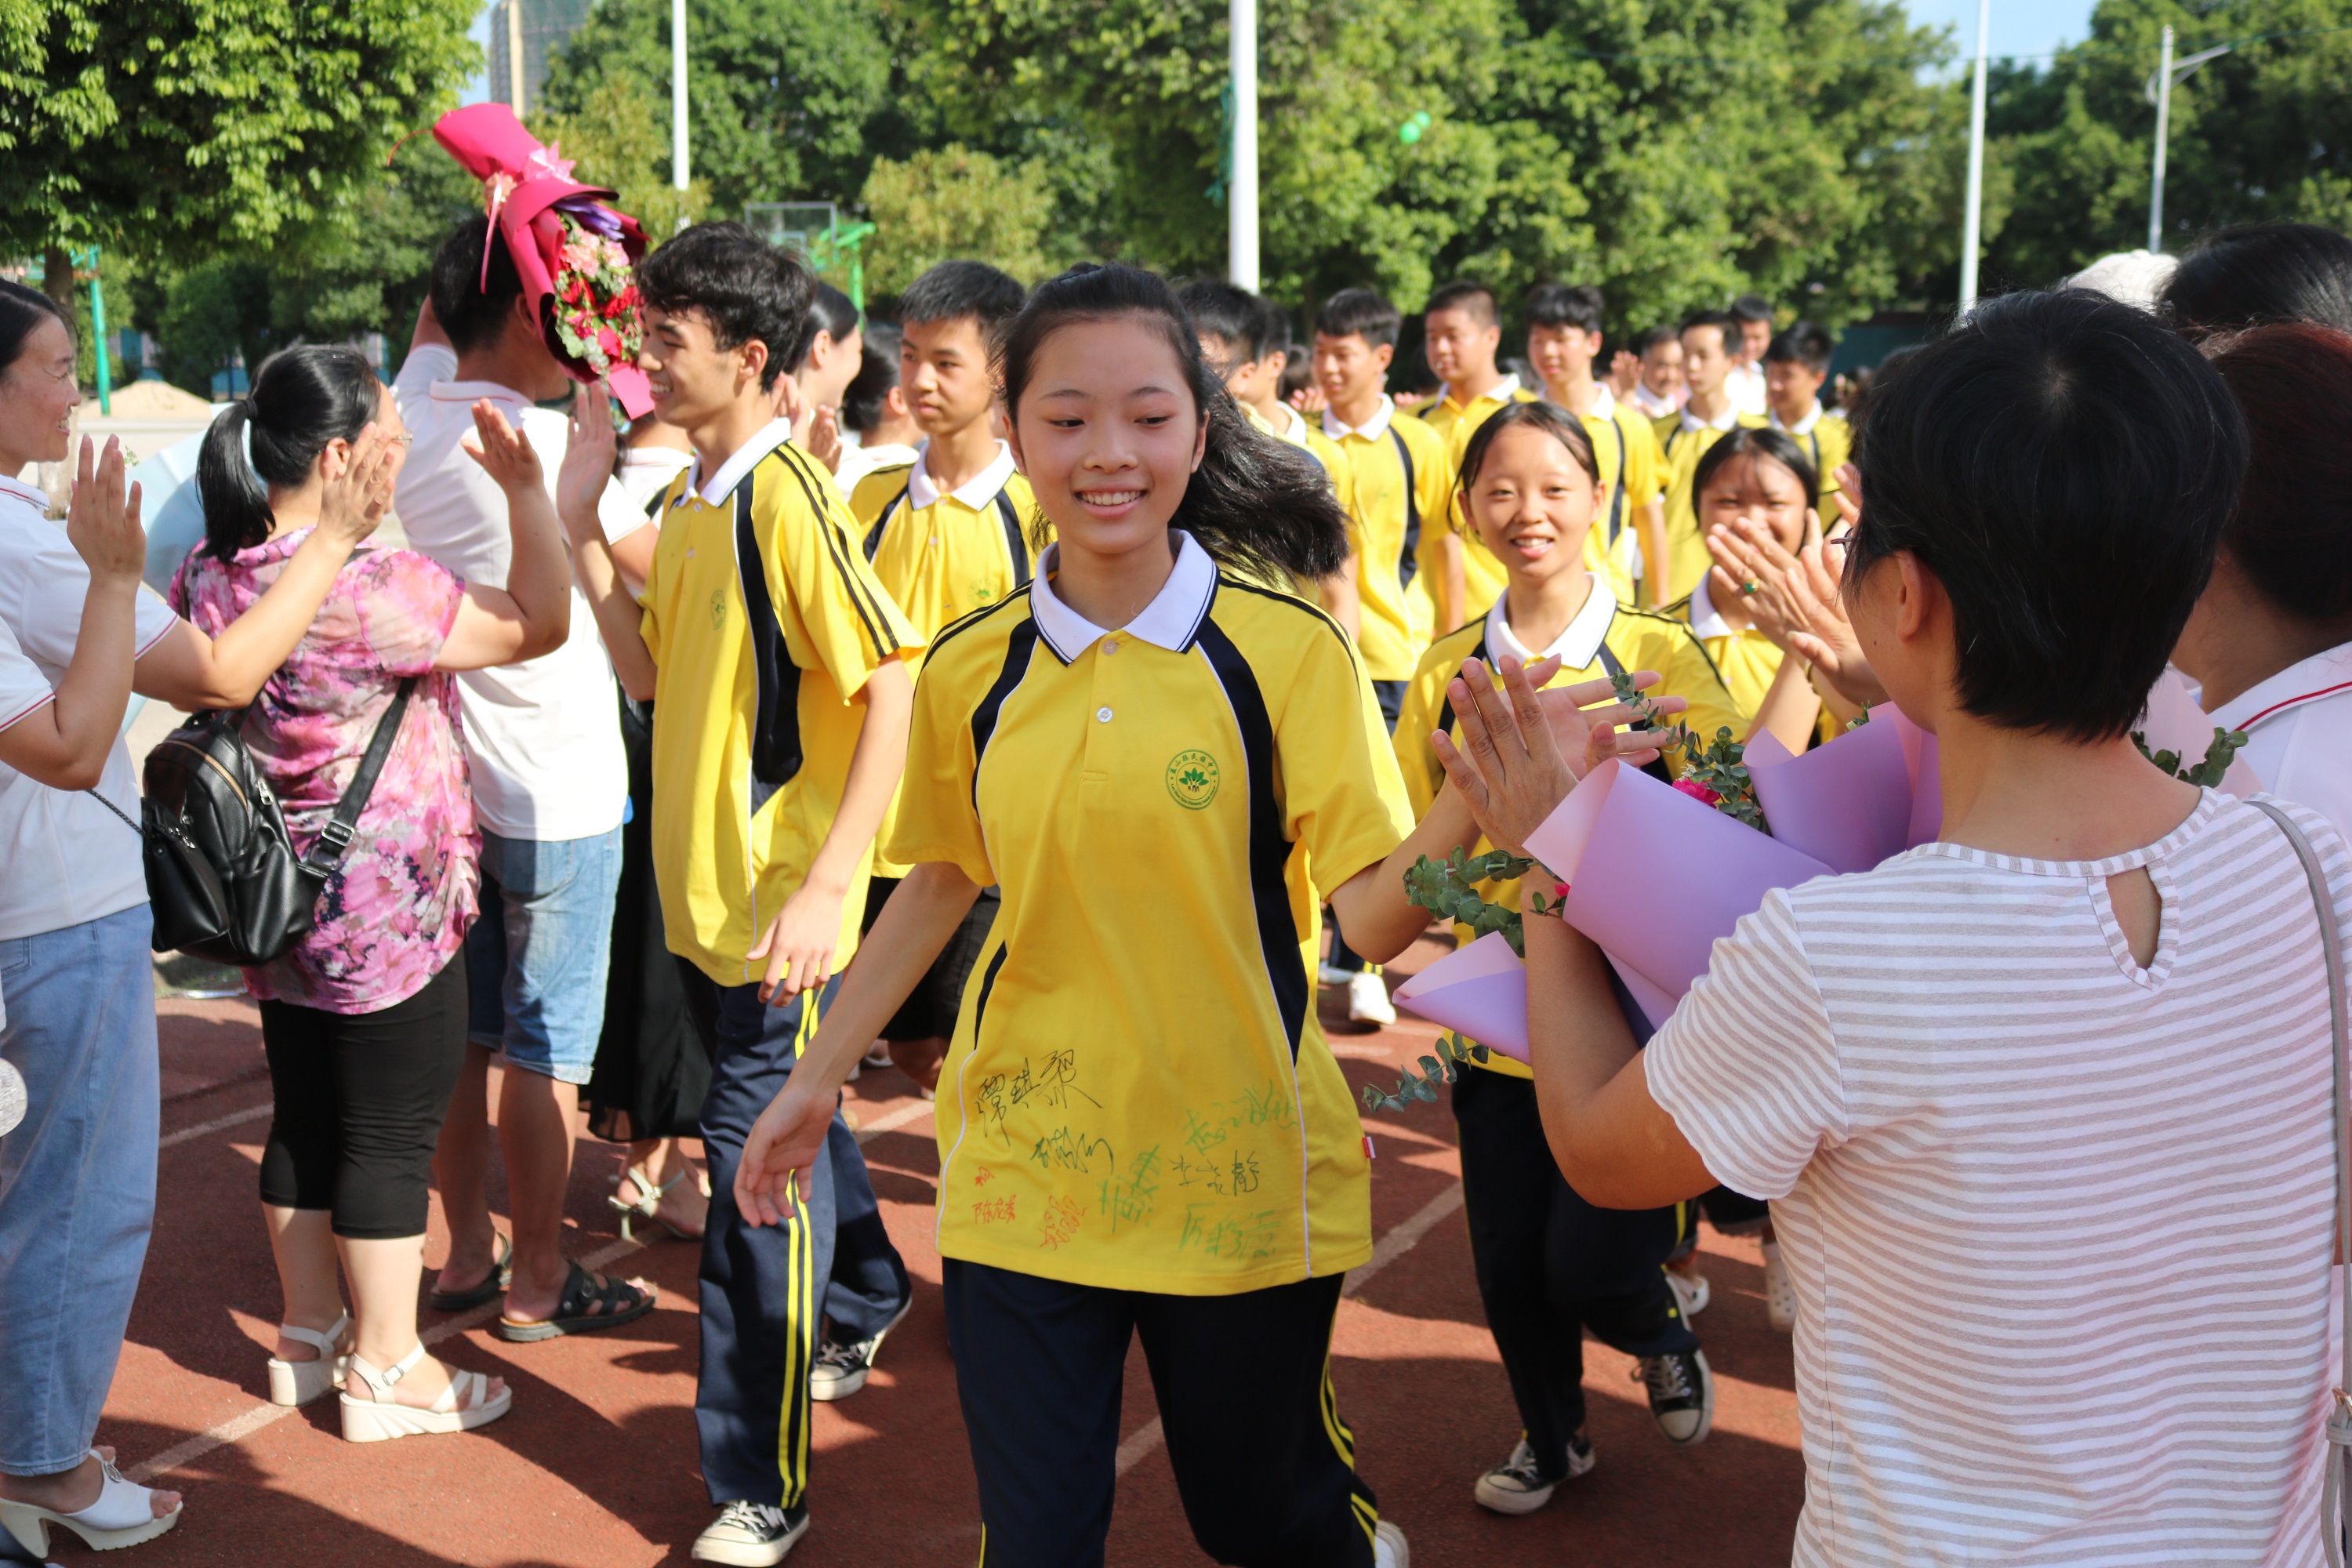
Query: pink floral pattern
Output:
(406,892)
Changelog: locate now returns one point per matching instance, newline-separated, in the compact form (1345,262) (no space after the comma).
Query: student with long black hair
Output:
(1167,770)
(364,1019)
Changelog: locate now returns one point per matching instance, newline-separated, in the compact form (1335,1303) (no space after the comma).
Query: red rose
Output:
(1697,792)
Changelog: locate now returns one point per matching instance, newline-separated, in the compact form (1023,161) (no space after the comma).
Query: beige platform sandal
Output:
(300,1381)
(465,1404)
(123,1516)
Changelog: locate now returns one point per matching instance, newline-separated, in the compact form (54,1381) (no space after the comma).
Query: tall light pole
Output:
(2159,94)
(678,172)
(1240,190)
(1972,225)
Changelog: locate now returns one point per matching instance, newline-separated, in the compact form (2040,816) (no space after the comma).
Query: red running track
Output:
(596,1465)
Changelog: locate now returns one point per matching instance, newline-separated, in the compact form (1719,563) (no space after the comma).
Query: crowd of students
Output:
(1017,691)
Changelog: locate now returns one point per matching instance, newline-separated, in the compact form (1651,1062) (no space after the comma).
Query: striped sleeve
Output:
(846,625)
(1747,1065)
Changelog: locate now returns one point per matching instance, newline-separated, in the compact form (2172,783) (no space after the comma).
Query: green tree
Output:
(199,127)
(782,90)
(620,139)
(956,203)
(2264,131)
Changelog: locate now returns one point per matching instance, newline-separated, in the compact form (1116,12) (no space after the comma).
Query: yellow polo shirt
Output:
(1455,422)
(941,555)
(1138,1096)
(1683,445)
(1604,633)
(765,622)
(1405,489)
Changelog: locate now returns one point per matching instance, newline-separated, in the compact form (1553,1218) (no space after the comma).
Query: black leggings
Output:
(361,1098)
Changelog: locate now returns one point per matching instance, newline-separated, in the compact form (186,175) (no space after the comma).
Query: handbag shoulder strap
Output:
(335,838)
(2331,946)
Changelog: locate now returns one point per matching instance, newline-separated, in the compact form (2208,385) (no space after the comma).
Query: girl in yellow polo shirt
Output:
(1168,770)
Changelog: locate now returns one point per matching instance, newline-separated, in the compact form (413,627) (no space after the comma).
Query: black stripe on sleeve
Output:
(867,611)
(1269,846)
(1019,647)
(776,716)
(874,536)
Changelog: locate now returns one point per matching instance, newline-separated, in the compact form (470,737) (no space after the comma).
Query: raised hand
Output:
(1510,768)
(589,453)
(824,440)
(504,452)
(357,497)
(1752,571)
(102,520)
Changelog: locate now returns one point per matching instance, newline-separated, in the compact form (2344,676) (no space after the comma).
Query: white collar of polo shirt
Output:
(24,494)
(1296,431)
(1578,644)
(1692,422)
(1705,620)
(1802,427)
(1502,391)
(1170,621)
(1372,429)
(766,439)
(975,492)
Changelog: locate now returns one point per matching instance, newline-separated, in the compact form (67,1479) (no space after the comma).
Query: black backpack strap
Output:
(1408,563)
(873,534)
(326,856)
(1617,500)
(1016,546)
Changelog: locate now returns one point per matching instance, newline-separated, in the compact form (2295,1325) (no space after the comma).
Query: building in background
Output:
(524,34)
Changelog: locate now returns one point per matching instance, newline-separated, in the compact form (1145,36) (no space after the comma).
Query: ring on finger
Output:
(1750,587)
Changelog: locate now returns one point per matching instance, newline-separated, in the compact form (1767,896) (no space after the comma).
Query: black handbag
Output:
(222,878)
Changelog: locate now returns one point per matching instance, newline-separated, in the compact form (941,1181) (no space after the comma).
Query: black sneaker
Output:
(1682,1394)
(841,1368)
(1519,1485)
(752,1534)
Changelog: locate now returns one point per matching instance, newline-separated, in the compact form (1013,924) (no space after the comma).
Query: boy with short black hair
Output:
(1752,319)
(778,667)
(1563,340)
(1796,363)
(1659,390)
(1462,330)
(948,532)
(1709,342)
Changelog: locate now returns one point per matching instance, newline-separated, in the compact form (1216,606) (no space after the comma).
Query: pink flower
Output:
(1697,792)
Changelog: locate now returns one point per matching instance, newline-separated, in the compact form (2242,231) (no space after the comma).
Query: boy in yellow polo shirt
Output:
(1404,489)
(777,667)
(1462,330)
(1709,340)
(1795,366)
(948,533)
(1245,340)
(1549,1265)
(1563,339)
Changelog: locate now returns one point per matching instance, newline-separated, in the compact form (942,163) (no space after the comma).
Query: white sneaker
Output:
(751,1535)
(1389,1550)
(1368,1000)
(1332,975)
(1517,1486)
(1779,1295)
(1692,1292)
(878,1055)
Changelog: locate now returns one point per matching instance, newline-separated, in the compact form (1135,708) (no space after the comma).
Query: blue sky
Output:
(2019,26)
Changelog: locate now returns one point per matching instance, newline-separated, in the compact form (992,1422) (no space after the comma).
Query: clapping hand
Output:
(1806,605)
(102,520)
(823,438)
(1514,766)
(504,452)
(357,496)
(588,452)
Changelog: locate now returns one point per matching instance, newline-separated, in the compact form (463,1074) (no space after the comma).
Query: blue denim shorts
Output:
(539,951)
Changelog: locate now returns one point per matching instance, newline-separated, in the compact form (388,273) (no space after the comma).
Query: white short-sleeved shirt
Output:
(65,859)
(2060,1228)
(2298,726)
(543,737)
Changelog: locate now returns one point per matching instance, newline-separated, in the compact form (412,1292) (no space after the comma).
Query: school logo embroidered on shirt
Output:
(1193,779)
(718,609)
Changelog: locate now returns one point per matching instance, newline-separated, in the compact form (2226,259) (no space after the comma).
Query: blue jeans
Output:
(77,1179)
(538,953)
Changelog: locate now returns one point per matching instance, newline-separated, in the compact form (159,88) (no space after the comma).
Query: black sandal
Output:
(492,1283)
(583,1308)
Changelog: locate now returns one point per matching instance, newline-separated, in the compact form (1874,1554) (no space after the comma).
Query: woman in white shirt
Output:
(2270,643)
(78,1185)
(1964,1078)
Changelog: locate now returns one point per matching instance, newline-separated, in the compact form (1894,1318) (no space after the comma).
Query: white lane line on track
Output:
(245,1424)
(1387,1250)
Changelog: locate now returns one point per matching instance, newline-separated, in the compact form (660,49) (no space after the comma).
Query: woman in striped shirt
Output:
(1965,1080)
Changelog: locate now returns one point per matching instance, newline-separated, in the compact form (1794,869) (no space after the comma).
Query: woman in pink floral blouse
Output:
(364,1021)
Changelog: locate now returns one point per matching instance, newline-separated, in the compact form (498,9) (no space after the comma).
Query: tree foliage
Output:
(2264,131)
(958,203)
(620,139)
(202,126)
(783,90)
